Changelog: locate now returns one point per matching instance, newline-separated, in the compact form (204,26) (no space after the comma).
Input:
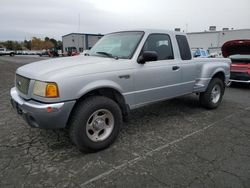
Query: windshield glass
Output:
(120,45)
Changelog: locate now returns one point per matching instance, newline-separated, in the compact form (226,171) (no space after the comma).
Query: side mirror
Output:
(147,56)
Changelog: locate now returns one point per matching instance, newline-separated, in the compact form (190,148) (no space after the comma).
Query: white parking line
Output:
(150,153)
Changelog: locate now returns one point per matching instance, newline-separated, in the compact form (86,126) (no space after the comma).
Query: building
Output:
(213,40)
(79,41)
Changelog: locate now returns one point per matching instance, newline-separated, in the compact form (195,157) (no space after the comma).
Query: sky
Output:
(24,19)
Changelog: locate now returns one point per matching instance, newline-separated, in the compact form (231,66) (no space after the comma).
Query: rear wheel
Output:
(212,97)
(95,123)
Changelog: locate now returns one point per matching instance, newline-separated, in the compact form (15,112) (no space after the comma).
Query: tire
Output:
(95,123)
(212,97)
(12,54)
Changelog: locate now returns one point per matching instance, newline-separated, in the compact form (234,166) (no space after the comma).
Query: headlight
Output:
(46,89)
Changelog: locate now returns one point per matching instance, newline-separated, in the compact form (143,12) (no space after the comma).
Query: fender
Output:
(219,69)
(98,84)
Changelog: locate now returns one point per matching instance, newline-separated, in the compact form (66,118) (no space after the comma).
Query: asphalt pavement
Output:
(175,143)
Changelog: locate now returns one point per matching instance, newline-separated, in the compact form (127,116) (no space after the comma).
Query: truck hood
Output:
(234,47)
(69,66)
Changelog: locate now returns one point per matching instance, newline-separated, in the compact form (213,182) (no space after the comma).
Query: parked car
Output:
(85,52)
(19,52)
(50,53)
(214,54)
(239,52)
(200,52)
(73,52)
(4,51)
(92,95)
(25,53)
(59,52)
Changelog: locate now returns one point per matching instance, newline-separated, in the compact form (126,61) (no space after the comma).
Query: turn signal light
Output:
(52,90)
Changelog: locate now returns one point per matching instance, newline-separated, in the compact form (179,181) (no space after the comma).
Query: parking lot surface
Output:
(175,143)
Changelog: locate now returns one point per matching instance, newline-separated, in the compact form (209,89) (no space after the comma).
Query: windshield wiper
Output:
(108,55)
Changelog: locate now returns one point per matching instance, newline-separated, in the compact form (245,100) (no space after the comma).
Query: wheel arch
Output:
(108,92)
(220,74)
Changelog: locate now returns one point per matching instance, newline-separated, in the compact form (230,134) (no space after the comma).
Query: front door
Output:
(158,80)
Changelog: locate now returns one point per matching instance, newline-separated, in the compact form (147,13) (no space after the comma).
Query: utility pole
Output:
(79,17)
(79,23)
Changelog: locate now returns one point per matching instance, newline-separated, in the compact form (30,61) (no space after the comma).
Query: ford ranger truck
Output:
(239,53)
(91,95)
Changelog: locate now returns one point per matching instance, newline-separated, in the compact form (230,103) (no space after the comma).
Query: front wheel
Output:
(212,97)
(95,123)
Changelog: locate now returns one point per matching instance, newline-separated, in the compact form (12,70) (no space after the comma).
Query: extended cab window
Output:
(161,44)
(183,47)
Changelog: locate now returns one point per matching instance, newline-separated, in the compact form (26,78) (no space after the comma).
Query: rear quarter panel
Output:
(207,68)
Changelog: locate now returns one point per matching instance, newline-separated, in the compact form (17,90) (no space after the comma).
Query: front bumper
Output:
(41,115)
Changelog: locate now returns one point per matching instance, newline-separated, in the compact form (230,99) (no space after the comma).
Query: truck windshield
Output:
(118,45)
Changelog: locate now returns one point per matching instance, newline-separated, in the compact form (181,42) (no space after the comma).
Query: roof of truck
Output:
(152,31)
(144,30)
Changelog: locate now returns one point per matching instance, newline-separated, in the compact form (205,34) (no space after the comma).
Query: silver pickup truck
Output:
(91,95)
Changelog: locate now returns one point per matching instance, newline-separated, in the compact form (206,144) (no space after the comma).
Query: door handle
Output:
(175,68)
(127,76)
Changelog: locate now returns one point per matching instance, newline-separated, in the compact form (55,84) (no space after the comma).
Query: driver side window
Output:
(161,44)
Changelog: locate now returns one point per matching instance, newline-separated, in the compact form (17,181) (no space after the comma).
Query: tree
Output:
(27,44)
(59,45)
(36,44)
(17,46)
(11,45)
(39,44)
(48,44)
(54,42)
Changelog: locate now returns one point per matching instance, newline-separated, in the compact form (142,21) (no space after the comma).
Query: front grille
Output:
(244,76)
(22,84)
